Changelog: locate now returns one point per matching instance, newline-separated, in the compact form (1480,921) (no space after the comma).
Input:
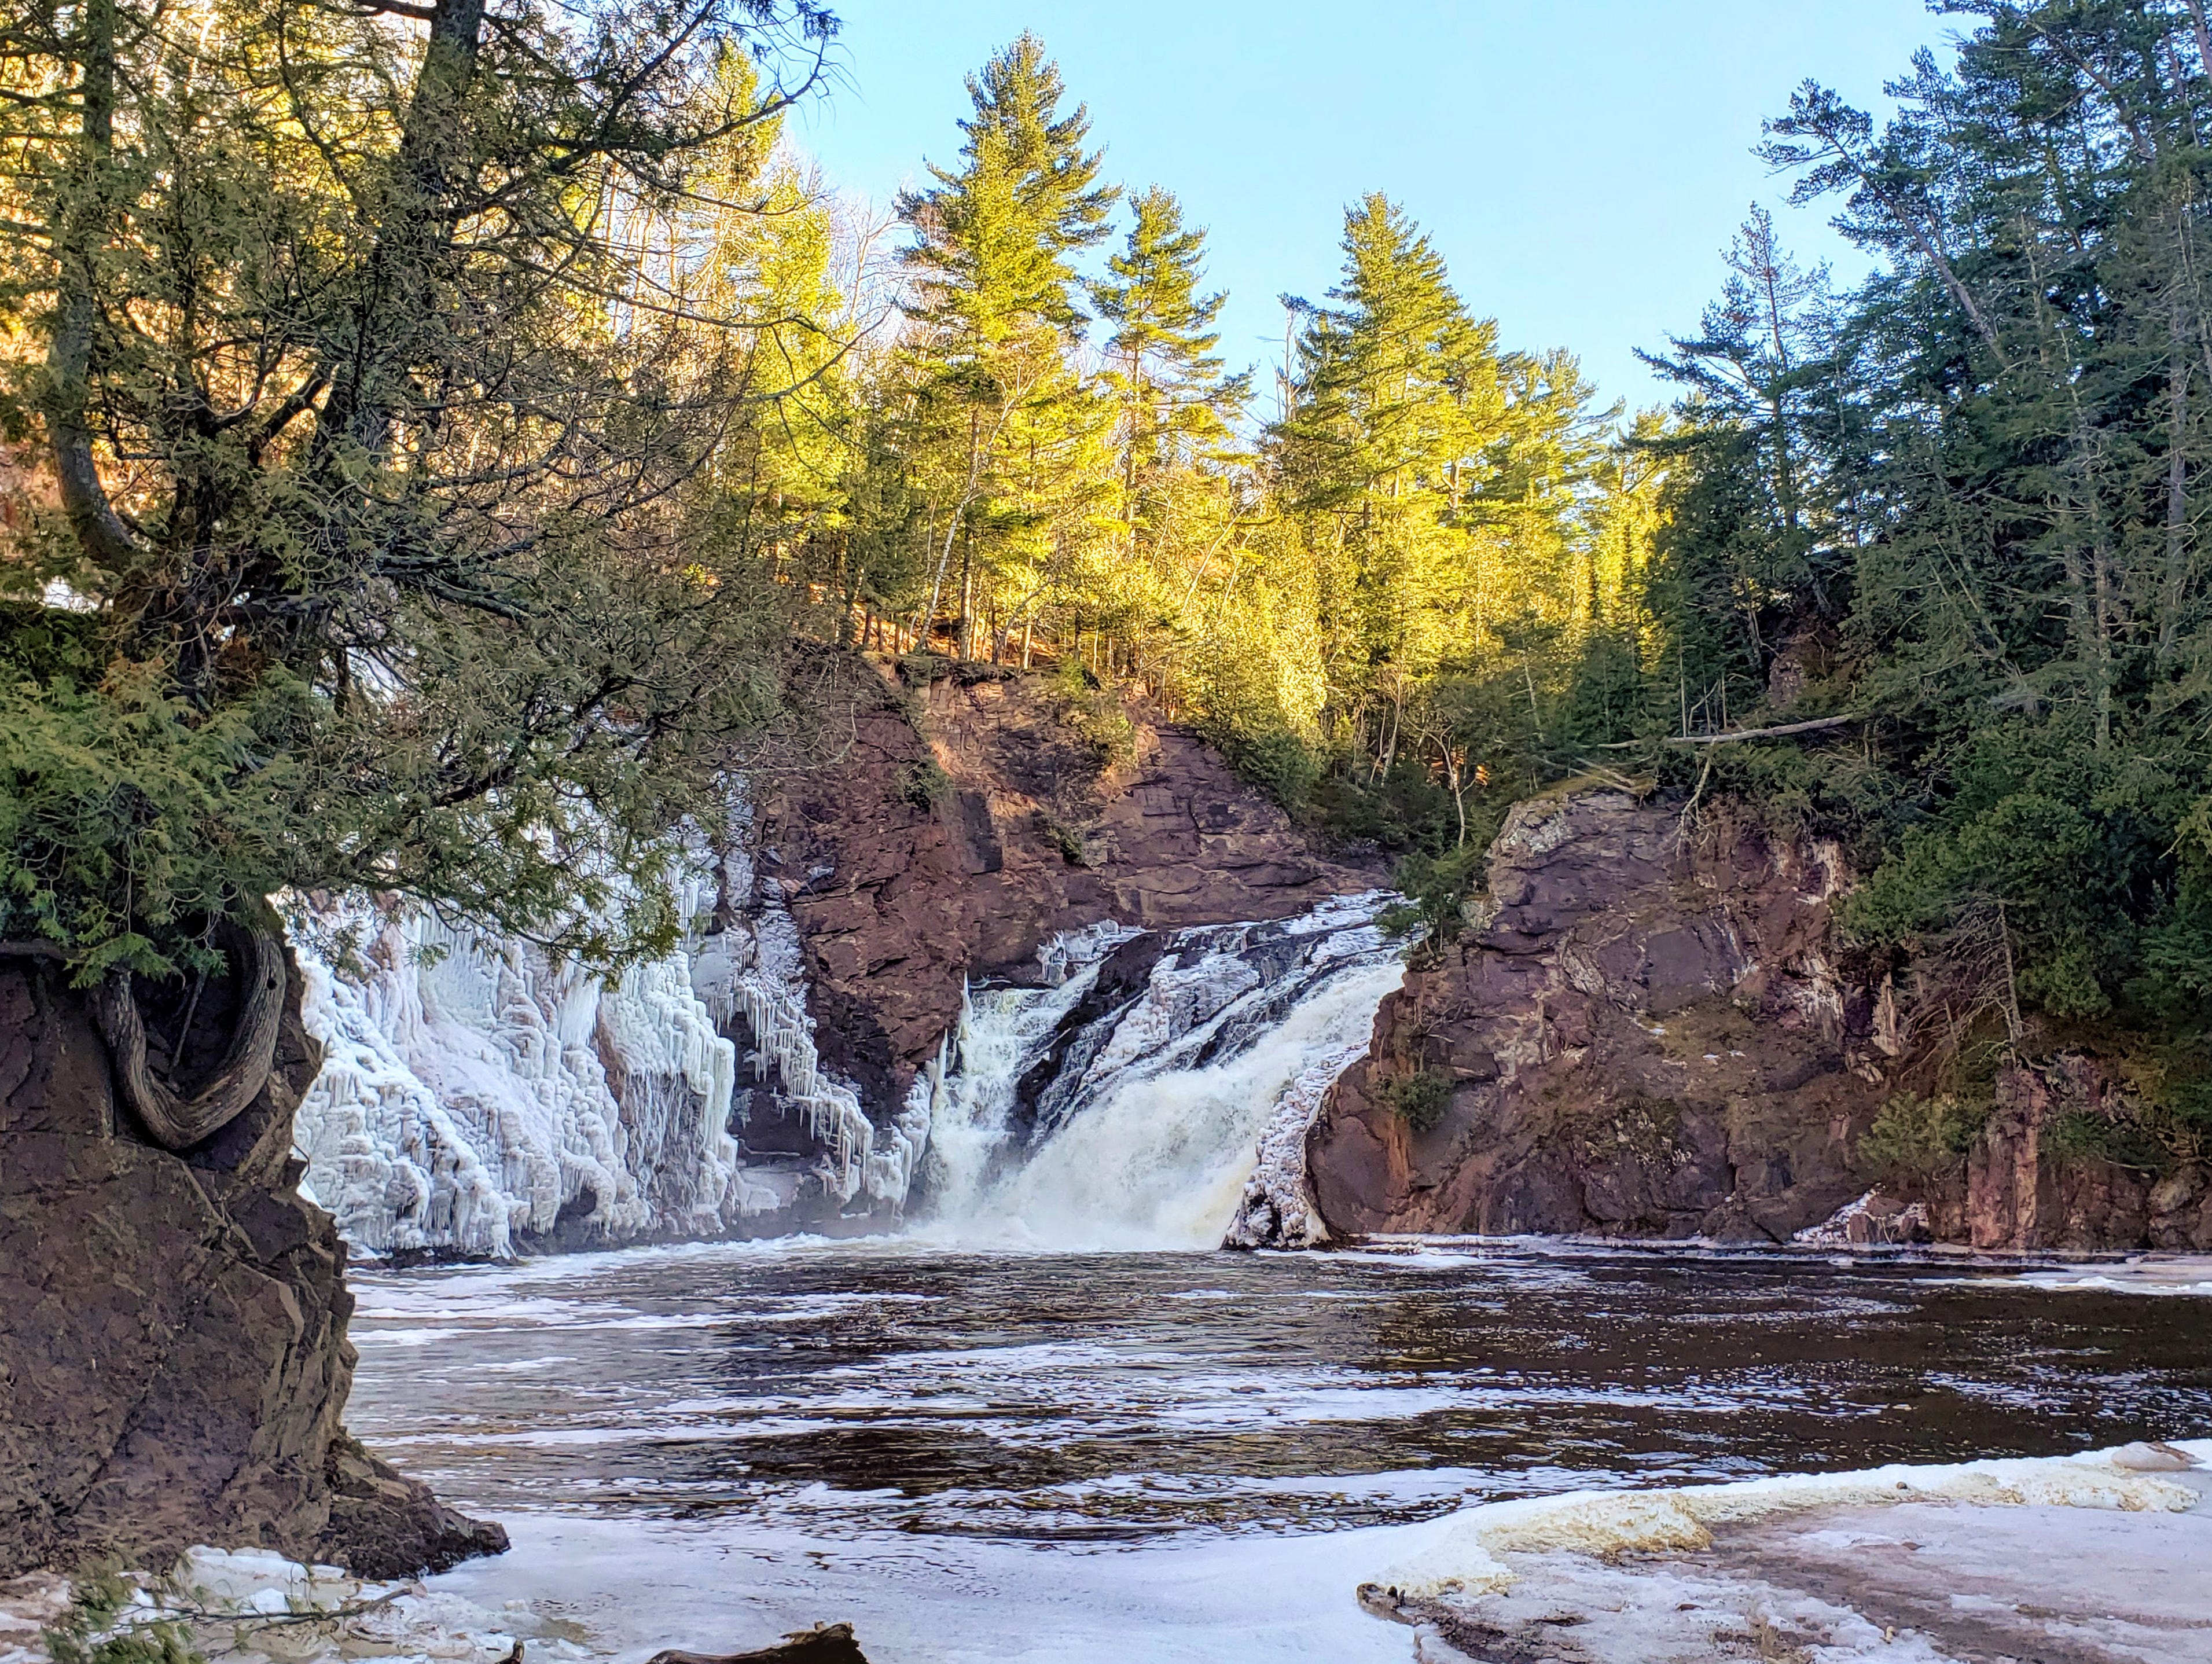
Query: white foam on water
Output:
(2154,1274)
(1162,1161)
(1154,1147)
(730,1585)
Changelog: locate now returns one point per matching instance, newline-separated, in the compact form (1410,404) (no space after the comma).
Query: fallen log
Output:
(1776,732)
(825,1643)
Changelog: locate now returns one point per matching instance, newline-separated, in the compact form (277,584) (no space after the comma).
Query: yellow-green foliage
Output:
(1421,1099)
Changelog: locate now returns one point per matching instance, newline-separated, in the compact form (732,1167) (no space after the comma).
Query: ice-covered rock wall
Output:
(1155,1081)
(479,1096)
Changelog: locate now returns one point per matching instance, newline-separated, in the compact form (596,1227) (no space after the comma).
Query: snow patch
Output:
(1467,1561)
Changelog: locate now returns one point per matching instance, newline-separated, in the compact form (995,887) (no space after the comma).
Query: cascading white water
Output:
(480,1097)
(1151,1130)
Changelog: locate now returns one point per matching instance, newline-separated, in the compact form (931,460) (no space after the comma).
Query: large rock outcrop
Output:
(1638,1033)
(1645,1031)
(916,863)
(174,1358)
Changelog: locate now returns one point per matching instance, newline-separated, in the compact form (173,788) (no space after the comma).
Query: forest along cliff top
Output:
(915,863)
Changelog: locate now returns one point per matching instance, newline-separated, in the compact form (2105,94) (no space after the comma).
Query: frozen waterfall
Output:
(1158,1093)
(479,1098)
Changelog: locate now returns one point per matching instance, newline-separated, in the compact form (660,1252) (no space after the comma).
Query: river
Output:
(1172,1455)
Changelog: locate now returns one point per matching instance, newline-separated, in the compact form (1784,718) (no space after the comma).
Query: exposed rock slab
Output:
(174,1358)
(1642,1034)
(905,883)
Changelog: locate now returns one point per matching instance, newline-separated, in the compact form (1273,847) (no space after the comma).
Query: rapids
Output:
(1126,1107)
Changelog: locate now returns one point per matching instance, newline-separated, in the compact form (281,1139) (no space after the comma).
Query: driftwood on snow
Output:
(828,1643)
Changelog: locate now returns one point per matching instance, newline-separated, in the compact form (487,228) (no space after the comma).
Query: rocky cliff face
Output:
(2014,1191)
(174,1358)
(1637,1034)
(916,863)
(777,1072)
(1643,1033)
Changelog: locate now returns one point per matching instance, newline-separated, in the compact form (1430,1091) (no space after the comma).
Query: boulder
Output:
(173,1360)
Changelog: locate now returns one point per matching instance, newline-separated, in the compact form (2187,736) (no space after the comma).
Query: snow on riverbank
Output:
(1905,1563)
(2092,1556)
(252,1607)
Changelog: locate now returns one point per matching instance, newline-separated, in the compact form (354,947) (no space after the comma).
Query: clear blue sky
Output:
(1579,163)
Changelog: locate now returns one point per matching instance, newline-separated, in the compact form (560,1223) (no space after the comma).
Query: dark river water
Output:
(870,1425)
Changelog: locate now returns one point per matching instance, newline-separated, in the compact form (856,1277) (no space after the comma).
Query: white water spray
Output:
(1153,1125)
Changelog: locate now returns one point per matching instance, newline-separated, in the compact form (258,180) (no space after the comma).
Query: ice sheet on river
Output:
(2092,1556)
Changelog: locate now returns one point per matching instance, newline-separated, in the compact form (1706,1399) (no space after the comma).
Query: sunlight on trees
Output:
(440,421)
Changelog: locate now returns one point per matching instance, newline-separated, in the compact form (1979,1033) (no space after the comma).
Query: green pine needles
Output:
(382,517)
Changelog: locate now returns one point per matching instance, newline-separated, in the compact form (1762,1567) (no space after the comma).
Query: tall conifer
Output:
(998,413)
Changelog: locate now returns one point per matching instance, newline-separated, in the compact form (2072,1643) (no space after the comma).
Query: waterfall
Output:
(1128,1106)
(479,1096)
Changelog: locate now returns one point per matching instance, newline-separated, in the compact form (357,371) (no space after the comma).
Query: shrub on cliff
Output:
(1421,1099)
(1921,1135)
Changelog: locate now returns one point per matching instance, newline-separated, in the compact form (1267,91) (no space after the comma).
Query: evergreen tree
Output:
(1974,491)
(1178,406)
(1441,485)
(379,438)
(996,418)
(1178,467)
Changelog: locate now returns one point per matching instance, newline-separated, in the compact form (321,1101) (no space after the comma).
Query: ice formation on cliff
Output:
(1277,1209)
(476,1093)
(1139,1125)
(481,1098)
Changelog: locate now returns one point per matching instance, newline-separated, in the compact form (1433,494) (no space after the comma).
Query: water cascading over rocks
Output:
(1125,1102)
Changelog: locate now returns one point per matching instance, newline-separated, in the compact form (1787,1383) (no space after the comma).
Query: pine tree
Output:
(996,417)
(1756,369)
(1176,405)
(379,440)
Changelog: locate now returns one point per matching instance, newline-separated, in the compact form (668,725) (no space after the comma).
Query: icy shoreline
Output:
(1910,1564)
(1919,1562)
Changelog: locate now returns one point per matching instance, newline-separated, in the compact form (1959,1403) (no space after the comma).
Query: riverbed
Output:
(1180,1456)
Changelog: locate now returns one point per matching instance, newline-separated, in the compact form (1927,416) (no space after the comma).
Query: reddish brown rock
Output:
(173,1360)
(1642,1034)
(906,878)
(2014,1194)
(1646,1034)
